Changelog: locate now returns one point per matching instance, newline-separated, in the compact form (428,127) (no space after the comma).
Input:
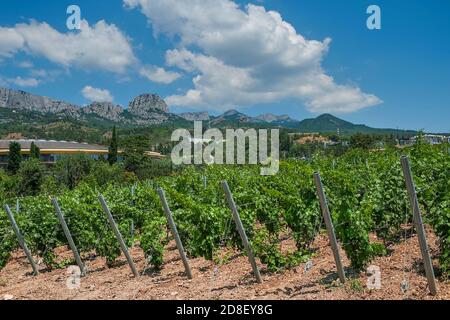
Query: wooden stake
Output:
(241,231)
(66,230)
(119,237)
(329,224)
(175,234)
(21,240)
(418,223)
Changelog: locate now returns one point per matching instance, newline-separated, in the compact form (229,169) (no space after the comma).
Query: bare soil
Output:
(232,280)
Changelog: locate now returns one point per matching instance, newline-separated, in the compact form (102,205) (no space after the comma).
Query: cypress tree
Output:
(113,148)
(35,152)
(14,157)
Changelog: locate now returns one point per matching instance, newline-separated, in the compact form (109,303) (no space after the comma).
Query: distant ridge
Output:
(151,110)
(327,123)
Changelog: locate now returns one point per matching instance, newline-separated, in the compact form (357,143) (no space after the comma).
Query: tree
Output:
(102,173)
(334,138)
(35,152)
(390,141)
(7,185)
(113,148)
(363,141)
(31,176)
(285,141)
(136,144)
(134,161)
(69,171)
(14,157)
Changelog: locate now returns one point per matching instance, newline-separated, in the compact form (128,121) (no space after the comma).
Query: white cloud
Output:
(97,95)
(244,57)
(10,42)
(159,75)
(39,73)
(34,78)
(24,82)
(215,82)
(102,46)
(26,64)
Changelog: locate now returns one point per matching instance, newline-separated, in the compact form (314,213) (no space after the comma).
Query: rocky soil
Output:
(230,281)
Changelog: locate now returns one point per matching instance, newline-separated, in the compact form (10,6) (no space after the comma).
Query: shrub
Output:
(30,176)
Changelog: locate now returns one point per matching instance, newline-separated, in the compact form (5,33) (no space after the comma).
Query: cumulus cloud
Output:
(243,57)
(102,46)
(10,42)
(33,77)
(97,95)
(24,82)
(159,75)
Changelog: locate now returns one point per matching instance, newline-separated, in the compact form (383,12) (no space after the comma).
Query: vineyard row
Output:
(152,238)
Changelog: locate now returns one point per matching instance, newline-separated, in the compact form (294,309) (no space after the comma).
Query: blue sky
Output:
(312,57)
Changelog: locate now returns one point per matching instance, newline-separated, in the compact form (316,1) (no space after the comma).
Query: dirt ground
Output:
(231,281)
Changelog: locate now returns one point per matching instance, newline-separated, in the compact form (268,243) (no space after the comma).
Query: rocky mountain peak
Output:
(269,117)
(147,103)
(231,112)
(146,109)
(105,110)
(196,116)
(26,101)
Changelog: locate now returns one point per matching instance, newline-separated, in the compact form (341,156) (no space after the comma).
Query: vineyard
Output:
(366,194)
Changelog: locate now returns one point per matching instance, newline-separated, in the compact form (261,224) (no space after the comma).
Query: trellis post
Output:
(174,230)
(329,224)
(118,235)
(21,240)
(418,222)
(68,235)
(241,231)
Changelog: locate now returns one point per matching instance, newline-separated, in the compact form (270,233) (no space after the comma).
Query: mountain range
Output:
(148,110)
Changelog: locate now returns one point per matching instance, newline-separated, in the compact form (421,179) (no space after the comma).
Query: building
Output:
(52,150)
(431,139)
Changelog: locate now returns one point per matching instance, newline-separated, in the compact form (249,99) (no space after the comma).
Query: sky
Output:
(301,58)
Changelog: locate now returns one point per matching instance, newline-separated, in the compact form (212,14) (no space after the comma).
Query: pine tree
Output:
(113,148)
(35,152)
(14,157)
